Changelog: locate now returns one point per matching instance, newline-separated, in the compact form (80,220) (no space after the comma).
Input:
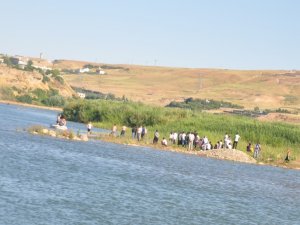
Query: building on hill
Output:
(81,95)
(83,70)
(100,71)
(20,61)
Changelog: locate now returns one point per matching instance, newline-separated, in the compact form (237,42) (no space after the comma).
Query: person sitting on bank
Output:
(164,142)
(62,121)
(249,147)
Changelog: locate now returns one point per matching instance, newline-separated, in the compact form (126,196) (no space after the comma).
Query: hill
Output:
(22,84)
(267,89)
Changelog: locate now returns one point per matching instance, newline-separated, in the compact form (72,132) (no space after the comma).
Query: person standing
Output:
(114,130)
(133,132)
(191,141)
(139,133)
(123,131)
(236,140)
(257,150)
(156,136)
(288,154)
(144,132)
(89,128)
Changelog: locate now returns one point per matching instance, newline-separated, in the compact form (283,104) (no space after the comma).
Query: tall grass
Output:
(274,137)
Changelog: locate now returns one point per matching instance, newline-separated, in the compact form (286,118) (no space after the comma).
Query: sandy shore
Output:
(29,105)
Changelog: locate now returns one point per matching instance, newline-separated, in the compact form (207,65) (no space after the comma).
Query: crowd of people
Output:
(189,140)
(192,141)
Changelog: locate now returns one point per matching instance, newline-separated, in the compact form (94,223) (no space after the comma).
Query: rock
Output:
(84,137)
(44,131)
(52,133)
(230,154)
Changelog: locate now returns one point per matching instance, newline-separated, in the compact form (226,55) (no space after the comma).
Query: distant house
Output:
(84,70)
(81,95)
(100,71)
(1,61)
(20,61)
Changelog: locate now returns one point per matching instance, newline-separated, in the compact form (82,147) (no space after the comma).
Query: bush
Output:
(7,93)
(55,100)
(59,79)
(24,98)
(45,79)
(202,104)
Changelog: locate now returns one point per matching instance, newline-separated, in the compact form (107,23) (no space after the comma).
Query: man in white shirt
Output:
(236,140)
(191,140)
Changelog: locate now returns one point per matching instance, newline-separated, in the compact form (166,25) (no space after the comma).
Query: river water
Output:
(44,180)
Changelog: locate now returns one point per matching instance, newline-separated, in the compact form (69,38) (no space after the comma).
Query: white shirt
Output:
(175,135)
(191,137)
(140,129)
(164,142)
(237,137)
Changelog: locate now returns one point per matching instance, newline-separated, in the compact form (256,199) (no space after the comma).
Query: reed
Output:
(275,138)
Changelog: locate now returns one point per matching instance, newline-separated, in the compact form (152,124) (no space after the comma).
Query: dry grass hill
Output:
(266,89)
(26,81)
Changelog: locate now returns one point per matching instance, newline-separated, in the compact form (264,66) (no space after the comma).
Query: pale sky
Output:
(232,34)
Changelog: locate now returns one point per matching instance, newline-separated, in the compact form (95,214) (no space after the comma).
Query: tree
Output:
(29,66)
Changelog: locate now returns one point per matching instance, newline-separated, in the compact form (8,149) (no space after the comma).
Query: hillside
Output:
(159,85)
(22,82)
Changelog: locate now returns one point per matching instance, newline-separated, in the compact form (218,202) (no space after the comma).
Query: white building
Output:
(81,95)
(84,70)
(100,71)
(20,61)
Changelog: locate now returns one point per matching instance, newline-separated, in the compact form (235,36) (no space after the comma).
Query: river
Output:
(44,180)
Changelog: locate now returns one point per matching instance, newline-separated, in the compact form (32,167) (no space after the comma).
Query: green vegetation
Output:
(24,98)
(274,137)
(99,95)
(29,66)
(37,96)
(202,104)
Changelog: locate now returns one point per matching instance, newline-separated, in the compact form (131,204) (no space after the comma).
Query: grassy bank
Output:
(275,138)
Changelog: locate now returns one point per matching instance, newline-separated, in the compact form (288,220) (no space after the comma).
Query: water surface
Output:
(44,180)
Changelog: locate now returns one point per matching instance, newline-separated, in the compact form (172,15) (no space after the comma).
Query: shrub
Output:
(7,93)
(24,98)
(55,100)
(59,79)
(45,79)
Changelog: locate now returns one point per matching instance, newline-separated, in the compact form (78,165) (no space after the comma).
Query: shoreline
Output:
(232,155)
(8,102)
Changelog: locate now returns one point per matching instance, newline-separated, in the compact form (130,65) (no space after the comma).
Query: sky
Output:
(228,34)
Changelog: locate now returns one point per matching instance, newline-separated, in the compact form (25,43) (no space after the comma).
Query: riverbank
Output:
(30,105)
(221,154)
